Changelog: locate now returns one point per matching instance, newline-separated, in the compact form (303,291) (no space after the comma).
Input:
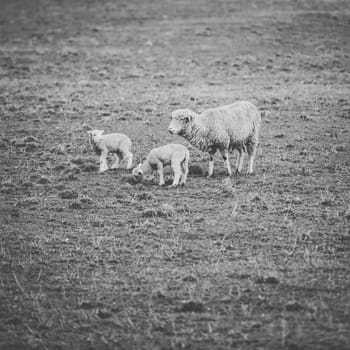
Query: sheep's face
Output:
(137,173)
(181,121)
(95,136)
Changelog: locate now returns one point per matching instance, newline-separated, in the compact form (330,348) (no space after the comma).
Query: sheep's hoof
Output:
(238,173)
(249,173)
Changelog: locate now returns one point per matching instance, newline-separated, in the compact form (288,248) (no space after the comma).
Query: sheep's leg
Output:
(251,149)
(211,163)
(103,160)
(161,173)
(177,174)
(239,163)
(115,165)
(225,156)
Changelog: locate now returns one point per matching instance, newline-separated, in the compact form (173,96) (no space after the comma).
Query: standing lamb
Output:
(177,156)
(118,144)
(224,129)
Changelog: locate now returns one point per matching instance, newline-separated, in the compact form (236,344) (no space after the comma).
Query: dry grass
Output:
(93,261)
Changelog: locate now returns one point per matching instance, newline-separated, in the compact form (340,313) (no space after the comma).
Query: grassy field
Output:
(95,261)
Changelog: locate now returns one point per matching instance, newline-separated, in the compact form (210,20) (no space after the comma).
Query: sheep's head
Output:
(94,136)
(181,121)
(95,139)
(137,173)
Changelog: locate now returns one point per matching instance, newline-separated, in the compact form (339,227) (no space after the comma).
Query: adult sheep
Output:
(232,127)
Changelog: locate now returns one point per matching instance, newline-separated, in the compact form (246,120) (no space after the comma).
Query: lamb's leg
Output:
(115,165)
(103,160)
(129,157)
(251,149)
(161,173)
(239,163)
(184,169)
(225,156)
(177,173)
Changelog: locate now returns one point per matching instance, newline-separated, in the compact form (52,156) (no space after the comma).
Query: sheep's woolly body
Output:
(175,155)
(113,142)
(118,144)
(227,128)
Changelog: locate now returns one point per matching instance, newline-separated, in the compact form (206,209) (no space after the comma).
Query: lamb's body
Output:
(227,128)
(118,144)
(175,155)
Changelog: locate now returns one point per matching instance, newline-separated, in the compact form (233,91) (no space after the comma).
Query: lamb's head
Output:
(137,173)
(94,136)
(181,121)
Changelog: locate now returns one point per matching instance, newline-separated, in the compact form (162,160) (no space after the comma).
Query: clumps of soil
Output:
(29,143)
(72,170)
(84,164)
(7,187)
(29,201)
(43,180)
(97,222)
(160,294)
(81,203)
(144,196)
(4,143)
(293,306)
(58,149)
(78,160)
(69,194)
(75,205)
(86,200)
(306,117)
(166,210)
(196,170)
(88,168)
(191,306)
(267,280)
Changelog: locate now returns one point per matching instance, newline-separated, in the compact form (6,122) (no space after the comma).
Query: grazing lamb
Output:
(118,144)
(175,155)
(224,129)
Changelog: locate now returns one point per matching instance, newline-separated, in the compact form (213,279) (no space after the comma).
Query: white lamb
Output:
(224,129)
(177,156)
(118,144)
